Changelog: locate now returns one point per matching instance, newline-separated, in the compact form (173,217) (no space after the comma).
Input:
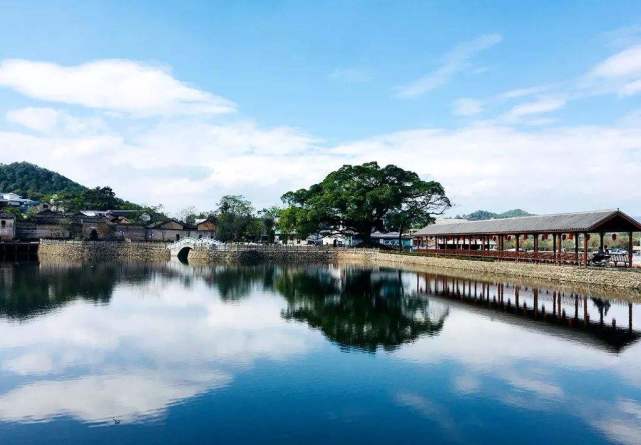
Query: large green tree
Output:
(235,217)
(366,198)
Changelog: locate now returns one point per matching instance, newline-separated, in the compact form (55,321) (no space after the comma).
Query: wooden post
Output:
(601,244)
(536,246)
(576,248)
(554,246)
(630,247)
(559,249)
(585,249)
(517,246)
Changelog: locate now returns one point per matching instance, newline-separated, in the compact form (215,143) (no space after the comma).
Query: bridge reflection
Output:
(547,310)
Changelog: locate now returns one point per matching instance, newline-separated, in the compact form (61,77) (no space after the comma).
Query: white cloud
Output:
(113,85)
(454,62)
(620,73)
(622,64)
(30,363)
(467,107)
(631,88)
(99,398)
(39,119)
(149,349)
(523,92)
(479,164)
(537,106)
(51,121)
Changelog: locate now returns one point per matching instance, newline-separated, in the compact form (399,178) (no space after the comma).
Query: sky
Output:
(531,104)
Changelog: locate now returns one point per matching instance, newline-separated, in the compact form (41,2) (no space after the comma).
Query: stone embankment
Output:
(246,254)
(103,250)
(603,277)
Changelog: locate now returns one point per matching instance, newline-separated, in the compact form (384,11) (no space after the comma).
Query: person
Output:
(607,251)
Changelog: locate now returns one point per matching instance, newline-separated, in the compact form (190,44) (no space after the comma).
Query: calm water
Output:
(178,354)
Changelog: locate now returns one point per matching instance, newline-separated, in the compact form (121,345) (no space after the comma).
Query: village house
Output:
(16,201)
(7,226)
(46,224)
(102,225)
(172,230)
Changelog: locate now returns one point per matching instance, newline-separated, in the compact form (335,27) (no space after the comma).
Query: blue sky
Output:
(509,104)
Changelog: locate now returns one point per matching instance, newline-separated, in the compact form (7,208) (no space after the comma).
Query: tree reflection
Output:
(29,289)
(236,283)
(357,308)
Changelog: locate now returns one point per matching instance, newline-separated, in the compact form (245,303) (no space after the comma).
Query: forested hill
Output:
(481,215)
(31,181)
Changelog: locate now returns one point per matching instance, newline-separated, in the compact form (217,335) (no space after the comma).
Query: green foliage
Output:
(481,215)
(235,218)
(34,182)
(30,181)
(17,214)
(267,221)
(364,198)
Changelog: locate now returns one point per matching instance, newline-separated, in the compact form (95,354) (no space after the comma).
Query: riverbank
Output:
(591,276)
(245,254)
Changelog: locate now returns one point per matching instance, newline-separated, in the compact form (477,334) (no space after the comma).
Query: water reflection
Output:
(359,308)
(229,346)
(569,316)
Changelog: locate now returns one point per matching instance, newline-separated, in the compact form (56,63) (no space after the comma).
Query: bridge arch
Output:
(182,247)
(183,254)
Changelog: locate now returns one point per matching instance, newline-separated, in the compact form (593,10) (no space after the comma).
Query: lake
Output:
(172,353)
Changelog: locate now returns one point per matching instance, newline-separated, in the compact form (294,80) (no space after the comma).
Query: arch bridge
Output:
(181,248)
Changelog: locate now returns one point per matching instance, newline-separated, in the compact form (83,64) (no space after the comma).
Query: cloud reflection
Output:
(155,344)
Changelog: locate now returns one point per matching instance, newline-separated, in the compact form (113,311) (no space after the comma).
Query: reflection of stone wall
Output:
(624,278)
(102,250)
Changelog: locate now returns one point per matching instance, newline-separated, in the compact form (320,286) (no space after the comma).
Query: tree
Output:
(268,219)
(13,211)
(365,198)
(235,215)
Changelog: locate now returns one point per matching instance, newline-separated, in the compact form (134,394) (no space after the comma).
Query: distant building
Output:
(16,201)
(102,225)
(7,227)
(172,230)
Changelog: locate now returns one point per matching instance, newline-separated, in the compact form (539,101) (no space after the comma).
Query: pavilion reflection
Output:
(543,309)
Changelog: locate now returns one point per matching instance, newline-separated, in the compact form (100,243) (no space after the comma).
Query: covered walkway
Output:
(559,239)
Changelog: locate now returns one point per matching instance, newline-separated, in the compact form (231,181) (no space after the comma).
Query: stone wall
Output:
(102,250)
(604,277)
(254,254)
(149,251)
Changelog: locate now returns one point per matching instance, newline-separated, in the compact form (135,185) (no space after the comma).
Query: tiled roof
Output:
(564,222)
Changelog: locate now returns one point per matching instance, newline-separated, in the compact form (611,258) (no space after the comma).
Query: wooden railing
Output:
(534,257)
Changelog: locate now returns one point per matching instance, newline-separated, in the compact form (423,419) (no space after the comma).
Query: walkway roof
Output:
(590,222)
